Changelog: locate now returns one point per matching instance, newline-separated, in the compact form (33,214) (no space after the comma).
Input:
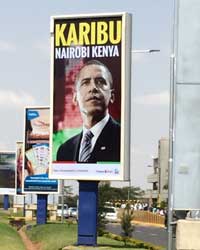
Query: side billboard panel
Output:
(7,173)
(90,89)
(187,148)
(188,37)
(36,152)
(186,144)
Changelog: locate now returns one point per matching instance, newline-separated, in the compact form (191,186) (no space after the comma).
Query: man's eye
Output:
(85,82)
(100,81)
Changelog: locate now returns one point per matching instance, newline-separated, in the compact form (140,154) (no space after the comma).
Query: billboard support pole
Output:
(170,225)
(6,204)
(62,214)
(24,208)
(41,208)
(87,213)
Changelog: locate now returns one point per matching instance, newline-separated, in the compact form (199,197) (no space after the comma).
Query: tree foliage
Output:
(110,194)
(68,197)
(126,218)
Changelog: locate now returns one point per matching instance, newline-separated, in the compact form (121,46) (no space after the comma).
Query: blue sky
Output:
(25,68)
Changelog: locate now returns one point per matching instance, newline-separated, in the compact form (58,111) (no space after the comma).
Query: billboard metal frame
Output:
(121,170)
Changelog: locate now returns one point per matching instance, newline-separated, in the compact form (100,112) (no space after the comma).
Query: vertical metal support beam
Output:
(62,190)
(87,213)
(170,168)
(24,207)
(42,209)
(6,203)
(171,130)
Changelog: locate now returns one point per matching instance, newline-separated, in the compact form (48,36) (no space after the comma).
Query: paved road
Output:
(155,235)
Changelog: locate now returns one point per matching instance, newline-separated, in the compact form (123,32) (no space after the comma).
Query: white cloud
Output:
(7,47)
(44,47)
(161,98)
(5,146)
(10,98)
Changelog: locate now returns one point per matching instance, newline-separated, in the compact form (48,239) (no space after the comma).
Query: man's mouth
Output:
(93,98)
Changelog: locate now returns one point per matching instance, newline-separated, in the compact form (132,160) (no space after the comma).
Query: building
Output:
(159,177)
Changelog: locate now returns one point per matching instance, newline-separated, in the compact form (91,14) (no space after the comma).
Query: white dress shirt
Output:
(96,131)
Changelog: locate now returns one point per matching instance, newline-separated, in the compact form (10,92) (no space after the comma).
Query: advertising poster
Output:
(90,97)
(7,173)
(19,164)
(36,154)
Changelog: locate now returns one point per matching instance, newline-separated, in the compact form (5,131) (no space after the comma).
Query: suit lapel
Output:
(77,142)
(101,146)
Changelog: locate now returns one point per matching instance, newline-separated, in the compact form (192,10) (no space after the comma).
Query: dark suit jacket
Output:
(107,147)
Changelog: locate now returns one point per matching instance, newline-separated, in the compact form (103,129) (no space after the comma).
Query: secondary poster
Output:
(36,152)
(7,172)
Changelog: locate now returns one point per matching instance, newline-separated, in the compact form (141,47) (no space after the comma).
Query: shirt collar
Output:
(97,128)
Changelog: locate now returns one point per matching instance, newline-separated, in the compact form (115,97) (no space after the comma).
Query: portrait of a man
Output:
(99,140)
(90,102)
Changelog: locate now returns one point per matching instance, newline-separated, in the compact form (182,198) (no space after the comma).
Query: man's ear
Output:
(75,98)
(112,98)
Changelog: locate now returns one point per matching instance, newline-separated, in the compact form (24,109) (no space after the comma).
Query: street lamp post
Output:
(146,51)
(134,52)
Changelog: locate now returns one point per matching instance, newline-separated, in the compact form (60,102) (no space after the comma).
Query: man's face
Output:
(93,90)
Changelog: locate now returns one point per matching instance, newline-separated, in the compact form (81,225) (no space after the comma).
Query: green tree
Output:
(131,193)
(71,200)
(109,194)
(103,196)
(68,197)
(163,204)
(127,227)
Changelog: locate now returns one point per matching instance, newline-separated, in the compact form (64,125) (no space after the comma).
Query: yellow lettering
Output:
(117,38)
(84,29)
(102,28)
(60,38)
(93,33)
(72,36)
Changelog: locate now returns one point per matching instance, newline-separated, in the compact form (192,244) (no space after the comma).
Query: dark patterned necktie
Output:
(86,147)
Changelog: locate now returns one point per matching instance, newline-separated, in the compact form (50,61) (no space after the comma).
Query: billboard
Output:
(19,167)
(7,173)
(90,77)
(36,152)
(186,119)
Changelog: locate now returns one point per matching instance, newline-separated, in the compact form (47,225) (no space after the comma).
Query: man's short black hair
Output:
(96,62)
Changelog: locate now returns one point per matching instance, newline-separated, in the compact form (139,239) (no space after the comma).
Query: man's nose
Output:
(93,84)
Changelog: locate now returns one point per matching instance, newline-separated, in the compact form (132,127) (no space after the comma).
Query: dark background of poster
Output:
(65,113)
(7,170)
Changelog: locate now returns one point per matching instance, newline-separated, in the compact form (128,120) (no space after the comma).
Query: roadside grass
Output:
(4,215)
(54,236)
(10,238)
